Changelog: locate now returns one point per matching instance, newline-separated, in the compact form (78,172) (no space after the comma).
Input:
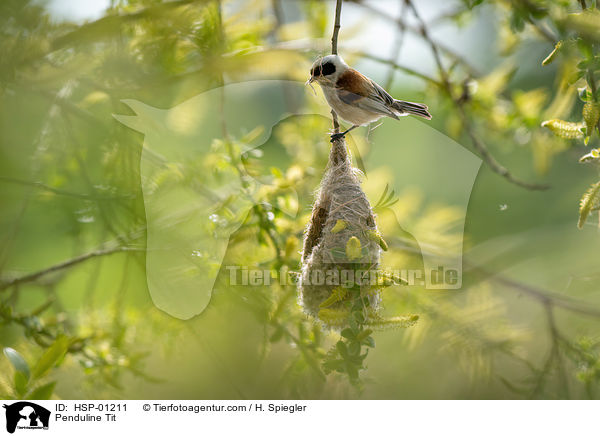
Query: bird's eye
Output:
(328,68)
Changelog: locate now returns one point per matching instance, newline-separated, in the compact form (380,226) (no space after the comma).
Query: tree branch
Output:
(487,157)
(334,50)
(57,191)
(481,148)
(336,27)
(399,41)
(63,265)
(471,70)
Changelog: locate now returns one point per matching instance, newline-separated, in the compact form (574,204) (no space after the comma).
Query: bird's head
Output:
(326,70)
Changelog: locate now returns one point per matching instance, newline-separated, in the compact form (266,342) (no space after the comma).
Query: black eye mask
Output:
(328,69)
(323,70)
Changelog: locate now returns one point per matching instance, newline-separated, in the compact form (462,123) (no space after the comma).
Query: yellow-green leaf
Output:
(51,357)
(564,129)
(591,114)
(17,361)
(394,322)
(592,155)
(20,383)
(44,392)
(337,295)
(589,200)
(339,226)
(353,248)
(375,236)
(585,23)
(553,54)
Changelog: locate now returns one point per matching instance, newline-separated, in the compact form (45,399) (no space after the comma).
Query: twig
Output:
(592,82)
(477,143)
(334,50)
(63,265)
(336,27)
(336,124)
(397,66)
(556,338)
(487,157)
(471,70)
(549,298)
(544,296)
(434,47)
(63,192)
(399,41)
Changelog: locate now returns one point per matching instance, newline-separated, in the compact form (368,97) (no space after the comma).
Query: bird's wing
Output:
(379,93)
(357,90)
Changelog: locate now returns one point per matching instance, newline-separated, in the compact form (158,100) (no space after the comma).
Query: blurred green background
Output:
(525,323)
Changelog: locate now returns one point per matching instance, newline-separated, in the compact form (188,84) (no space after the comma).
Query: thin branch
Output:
(63,265)
(471,70)
(398,42)
(540,28)
(487,157)
(477,143)
(336,123)
(556,338)
(57,191)
(334,50)
(434,47)
(544,296)
(399,67)
(336,27)
(592,82)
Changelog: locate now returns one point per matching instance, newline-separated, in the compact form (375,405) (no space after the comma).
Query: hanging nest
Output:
(342,246)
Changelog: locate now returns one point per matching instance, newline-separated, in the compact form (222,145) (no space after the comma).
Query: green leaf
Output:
(588,202)
(51,356)
(339,226)
(517,23)
(354,348)
(553,54)
(369,341)
(337,294)
(585,94)
(564,129)
(353,248)
(591,156)
(585,24)
(591,114)
(342,349)
(365,333)
(277,335)
(44,392)
(20,383)
(348,333)
(17,362)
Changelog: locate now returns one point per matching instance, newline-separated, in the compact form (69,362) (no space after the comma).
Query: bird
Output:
(357,99)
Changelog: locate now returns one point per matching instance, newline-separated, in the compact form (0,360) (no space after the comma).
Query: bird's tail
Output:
(407,107)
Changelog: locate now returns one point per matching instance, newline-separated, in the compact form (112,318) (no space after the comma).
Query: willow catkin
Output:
(339,239)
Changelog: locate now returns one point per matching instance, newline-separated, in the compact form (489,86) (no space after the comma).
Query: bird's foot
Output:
(337,136)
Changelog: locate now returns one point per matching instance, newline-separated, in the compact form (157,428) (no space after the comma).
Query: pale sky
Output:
(377,35)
